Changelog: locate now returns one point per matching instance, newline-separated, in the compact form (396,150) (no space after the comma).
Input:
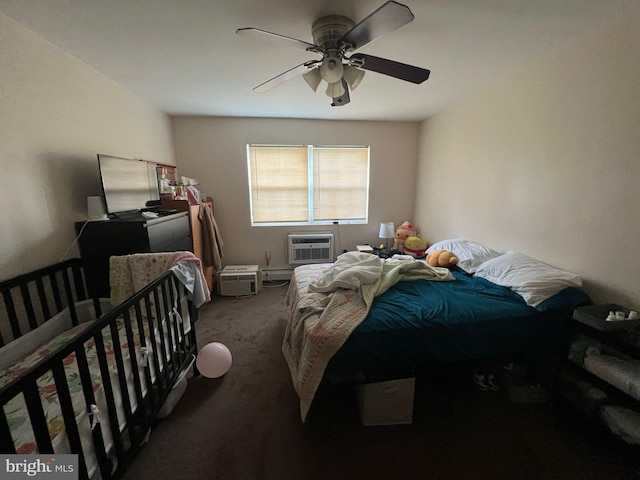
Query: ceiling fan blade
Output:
(385,19)
(399,70)
(276,38)
(344,98)
(288,75)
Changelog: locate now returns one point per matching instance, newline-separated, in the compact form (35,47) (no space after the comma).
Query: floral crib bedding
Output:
(86,418)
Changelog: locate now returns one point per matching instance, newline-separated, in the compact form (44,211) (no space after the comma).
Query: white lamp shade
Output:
(353,76)
(387,230)
(95,208)
(335,90)
(313,78)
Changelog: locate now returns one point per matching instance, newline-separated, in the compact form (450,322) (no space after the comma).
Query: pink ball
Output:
(214,360)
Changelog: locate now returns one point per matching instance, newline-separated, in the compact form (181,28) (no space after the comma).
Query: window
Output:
(304,185)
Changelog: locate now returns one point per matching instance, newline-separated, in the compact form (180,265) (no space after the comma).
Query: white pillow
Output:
(532,279)
(471,254)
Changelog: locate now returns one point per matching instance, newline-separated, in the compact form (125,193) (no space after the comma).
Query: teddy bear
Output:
(441,258)
(402,233)
(415,246)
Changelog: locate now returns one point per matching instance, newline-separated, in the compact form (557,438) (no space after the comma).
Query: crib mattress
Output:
(16,410)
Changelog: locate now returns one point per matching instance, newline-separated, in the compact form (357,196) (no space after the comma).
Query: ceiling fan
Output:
(334,38)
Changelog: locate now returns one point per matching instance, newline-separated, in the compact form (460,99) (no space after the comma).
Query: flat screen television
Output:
(128,185)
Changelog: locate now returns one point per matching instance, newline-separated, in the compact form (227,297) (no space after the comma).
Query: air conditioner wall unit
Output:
(239,280)
(311,247)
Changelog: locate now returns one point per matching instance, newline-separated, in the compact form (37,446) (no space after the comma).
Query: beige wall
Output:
(213,150)
(56,114)
(547,162)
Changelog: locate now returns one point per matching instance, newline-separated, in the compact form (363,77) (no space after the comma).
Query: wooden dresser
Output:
(196,229)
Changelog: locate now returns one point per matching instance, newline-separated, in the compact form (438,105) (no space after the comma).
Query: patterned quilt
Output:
(319,323)
(16,411)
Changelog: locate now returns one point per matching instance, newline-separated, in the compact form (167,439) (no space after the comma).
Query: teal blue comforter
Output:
(421,323)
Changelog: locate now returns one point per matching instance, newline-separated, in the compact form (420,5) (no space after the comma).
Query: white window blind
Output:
(298,185)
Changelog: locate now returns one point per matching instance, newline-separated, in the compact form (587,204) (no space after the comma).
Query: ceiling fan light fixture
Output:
(353,76)
(334,37)
(335,90)
(331,69)
(313,78)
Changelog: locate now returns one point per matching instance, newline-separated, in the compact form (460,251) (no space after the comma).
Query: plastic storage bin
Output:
(386,403)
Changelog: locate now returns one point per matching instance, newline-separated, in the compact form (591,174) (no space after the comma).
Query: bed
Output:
(492,307)
(81,376)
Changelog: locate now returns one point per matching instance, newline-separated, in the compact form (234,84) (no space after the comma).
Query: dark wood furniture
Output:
(131,233)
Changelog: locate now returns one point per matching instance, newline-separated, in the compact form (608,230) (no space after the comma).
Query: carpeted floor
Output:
(246,425)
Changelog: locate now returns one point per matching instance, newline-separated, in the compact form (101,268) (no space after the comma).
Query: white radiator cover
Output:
(310,247)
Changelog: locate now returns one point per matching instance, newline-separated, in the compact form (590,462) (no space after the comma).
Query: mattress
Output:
(423,323)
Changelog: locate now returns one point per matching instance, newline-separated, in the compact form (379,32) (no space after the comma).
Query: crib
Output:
(80,376)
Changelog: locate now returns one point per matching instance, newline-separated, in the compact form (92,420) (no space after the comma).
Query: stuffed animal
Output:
(403,232)
(415,246)
(441,258)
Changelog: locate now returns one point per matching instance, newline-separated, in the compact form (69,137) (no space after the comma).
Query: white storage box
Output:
(176,392)
(386,403)
(596,316)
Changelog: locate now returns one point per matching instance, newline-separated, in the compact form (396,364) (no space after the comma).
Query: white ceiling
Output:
(184,57)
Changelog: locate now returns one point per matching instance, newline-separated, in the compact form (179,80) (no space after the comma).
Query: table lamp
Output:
(387,231)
